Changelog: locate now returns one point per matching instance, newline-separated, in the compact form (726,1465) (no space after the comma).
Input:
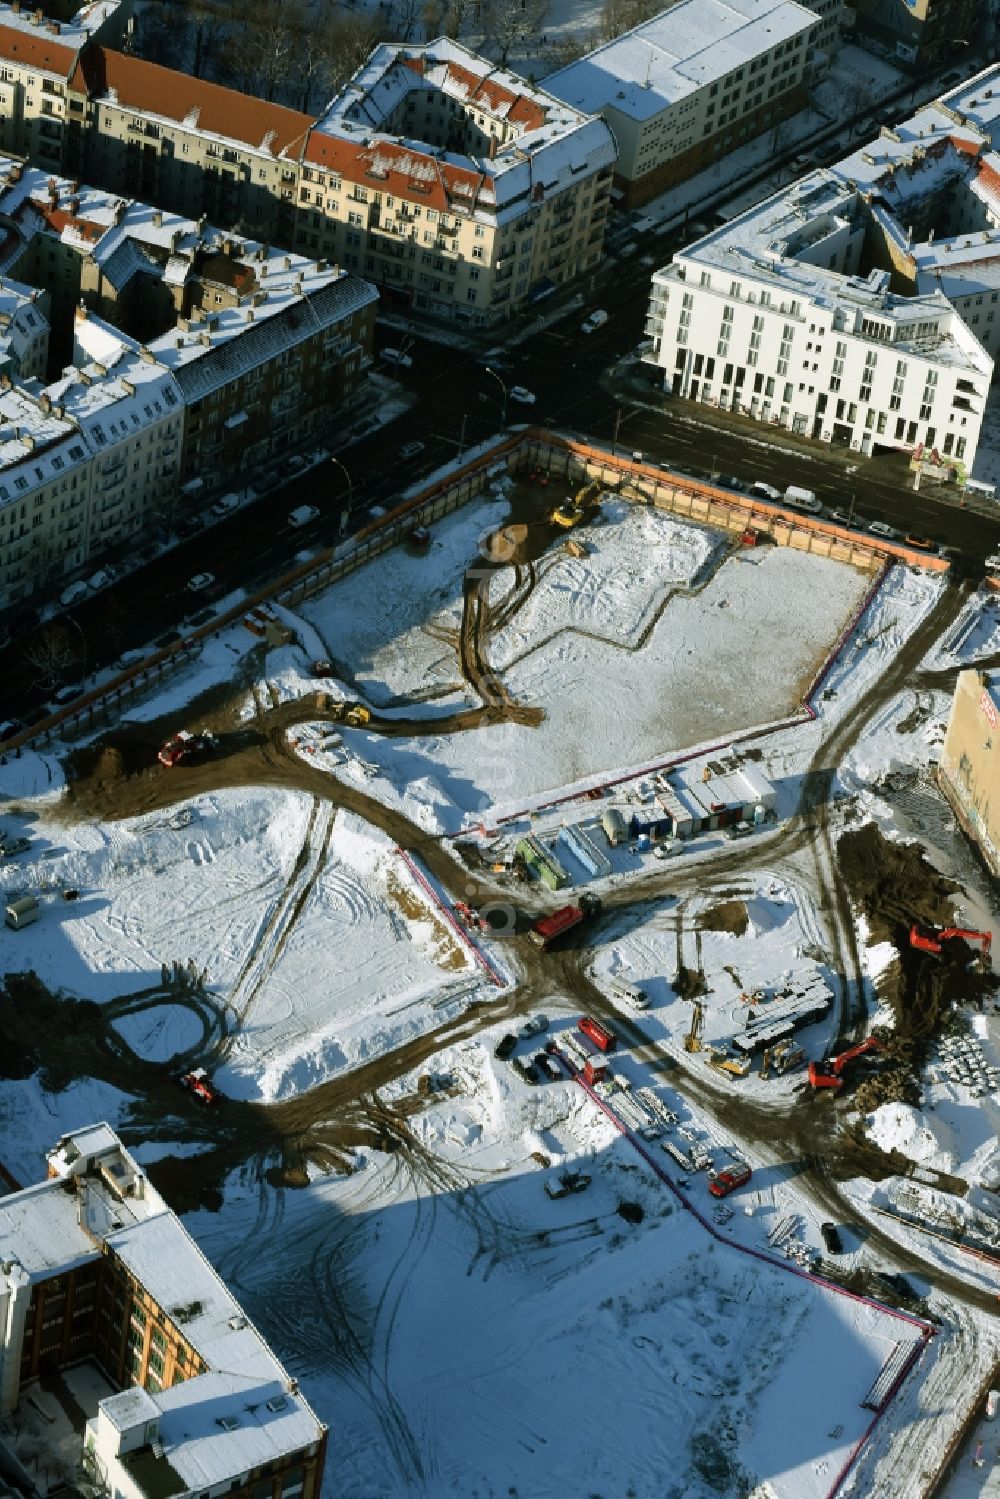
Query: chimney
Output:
(147,354)
(288,262)
(227,247)
(74,205)
(45,403)
(157,217)
(53,28)
(128,387)
(492,153)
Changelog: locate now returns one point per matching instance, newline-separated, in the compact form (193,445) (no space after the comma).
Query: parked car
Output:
(9,728)
(730,481)
(505,1047)
(73,594)
(67,694)
(397,357)
(547,1067)
(924,544)
(200,582)
(322,668)
(879,528)
(841,517)
(519,393)
(534,1026)
(11,847)
(411,449)
(766,491)
(188,525)
(303,515)
(101,579)
(596,320)
(831,1238)
(226,505)
(526,1071)
(294,465)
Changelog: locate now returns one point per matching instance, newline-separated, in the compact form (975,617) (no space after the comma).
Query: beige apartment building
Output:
(457,188)
(694,83)
(95,1269)
(969,770)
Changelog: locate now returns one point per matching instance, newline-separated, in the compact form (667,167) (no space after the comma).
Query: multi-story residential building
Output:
(694,83)
(95,1267)
(920,34)
(969,770)
(38,54)
(453,185)
(861,305)
(188,146)
(188,358)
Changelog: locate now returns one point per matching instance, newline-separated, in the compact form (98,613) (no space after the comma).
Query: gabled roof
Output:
(152,90)
(404,172)
(42,51)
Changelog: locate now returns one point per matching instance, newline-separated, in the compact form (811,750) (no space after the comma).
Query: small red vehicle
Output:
(600,1034)
(198,1083)
(721,1183)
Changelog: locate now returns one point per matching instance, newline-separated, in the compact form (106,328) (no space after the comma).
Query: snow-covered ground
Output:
(614,648)
(277,900)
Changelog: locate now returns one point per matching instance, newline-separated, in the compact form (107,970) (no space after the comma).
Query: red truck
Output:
(200,1086)
(721,1183)
(550,928)
(595,1070)
(600,1034)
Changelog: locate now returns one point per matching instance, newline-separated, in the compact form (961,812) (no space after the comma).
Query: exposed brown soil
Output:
(896,887)
(727,916)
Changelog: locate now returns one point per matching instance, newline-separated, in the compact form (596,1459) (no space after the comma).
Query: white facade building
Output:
(693,83)
(861,305)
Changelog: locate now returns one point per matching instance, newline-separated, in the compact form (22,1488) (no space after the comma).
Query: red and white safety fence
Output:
(440,900)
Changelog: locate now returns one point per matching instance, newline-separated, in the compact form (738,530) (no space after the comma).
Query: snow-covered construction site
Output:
(594,985)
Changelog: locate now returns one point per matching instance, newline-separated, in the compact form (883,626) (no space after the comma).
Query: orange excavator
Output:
(932,941)
(829,1074)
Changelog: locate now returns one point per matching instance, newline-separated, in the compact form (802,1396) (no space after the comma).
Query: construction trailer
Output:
(542,862)
(783,1016)
(720,794)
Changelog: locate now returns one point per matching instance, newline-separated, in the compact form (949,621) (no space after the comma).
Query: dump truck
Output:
(550,928)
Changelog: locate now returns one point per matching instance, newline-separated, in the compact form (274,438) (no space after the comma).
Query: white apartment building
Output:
(861,305)
(695,82)
(455,186)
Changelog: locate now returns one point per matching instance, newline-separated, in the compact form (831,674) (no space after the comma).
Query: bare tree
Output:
(51,654)
(507,22)
(406,14)
(621,15)
(457,16)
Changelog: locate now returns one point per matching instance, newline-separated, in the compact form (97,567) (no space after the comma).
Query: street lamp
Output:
(503,408)
(345,513)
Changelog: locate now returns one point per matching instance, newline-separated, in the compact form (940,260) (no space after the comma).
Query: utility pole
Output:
(461,437)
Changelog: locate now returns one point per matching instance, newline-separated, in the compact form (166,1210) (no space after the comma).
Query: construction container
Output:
(615,826)
(21,912)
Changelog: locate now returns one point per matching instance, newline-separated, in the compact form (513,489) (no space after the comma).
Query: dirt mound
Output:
(896,887)
(507,544)
(688,983)
(728,916)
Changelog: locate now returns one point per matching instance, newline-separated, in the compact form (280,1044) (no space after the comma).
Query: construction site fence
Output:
(551,452)
(926,1329)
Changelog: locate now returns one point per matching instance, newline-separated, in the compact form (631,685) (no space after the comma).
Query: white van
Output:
(802,499)
(303,515)
(21,912)
(396,356)
(632,995)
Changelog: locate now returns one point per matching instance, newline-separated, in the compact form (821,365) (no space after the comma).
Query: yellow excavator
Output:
(571,512)
(692,1041)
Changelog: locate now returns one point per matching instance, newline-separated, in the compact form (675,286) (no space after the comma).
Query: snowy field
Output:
(311,938)
(616,648)
(694,1355)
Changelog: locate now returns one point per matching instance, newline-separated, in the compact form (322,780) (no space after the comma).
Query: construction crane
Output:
(932,941)
(829,1074)
(692,1041)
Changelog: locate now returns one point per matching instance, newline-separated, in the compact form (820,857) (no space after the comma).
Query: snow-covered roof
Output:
(223,1424)
(39,1230)
(539,144)
(684,48)
(166,1261)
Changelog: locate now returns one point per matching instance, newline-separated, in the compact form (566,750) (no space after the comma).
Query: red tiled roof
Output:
(990,178)
(403,173)
(521,108)
(59,219)
(42,51)
(150,89)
